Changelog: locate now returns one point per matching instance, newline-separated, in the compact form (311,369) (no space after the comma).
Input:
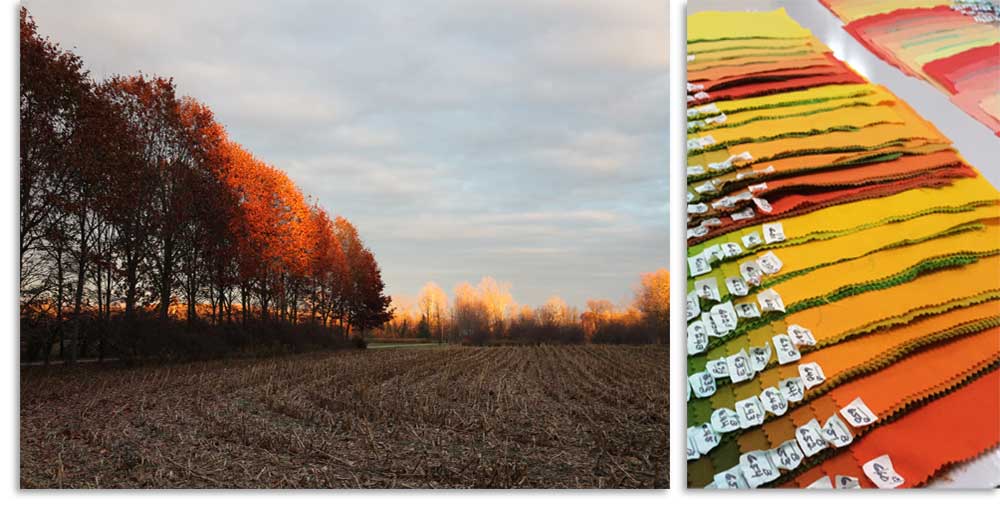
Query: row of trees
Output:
(488,312)
(136,207)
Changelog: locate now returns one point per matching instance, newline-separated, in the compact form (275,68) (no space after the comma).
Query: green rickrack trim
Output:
(784,104)
(728,125)
(929,265)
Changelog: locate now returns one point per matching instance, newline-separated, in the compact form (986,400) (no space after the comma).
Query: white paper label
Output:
(751,239)
(697,338)
(696,232)
(692,451)
(718,368)
(714,252)
(881,472)
(712,221)
(694,171)
(741,215)
(757,468)
(763,205)
(708,289)
(792,389)
(759,357)
(858,414)
(701,96)
(823,483)
(725,420)
(700,143)
(756,188)
(786,456)
(725,315)
(697,208)
(712,326)
(705,187)
(786,350)
(773,401)
(731,250)
(750,412)
(736,286)
(835,432)
(739,367)
(702,383)
(811,374)
(705,439)
(846,482)
(751,272)
(693,305)
(770,301)
(698,265)
(810,438)
(747,310)
(731,479)
(801,336)
(769,263)
(773,232)
(694,87)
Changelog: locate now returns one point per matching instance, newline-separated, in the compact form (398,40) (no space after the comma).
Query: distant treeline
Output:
(146,232)
(488,313)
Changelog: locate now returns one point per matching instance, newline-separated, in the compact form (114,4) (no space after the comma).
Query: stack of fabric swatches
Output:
(950,44)
(843,272)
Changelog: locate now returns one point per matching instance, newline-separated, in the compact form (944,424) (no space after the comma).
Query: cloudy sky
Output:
(526,140)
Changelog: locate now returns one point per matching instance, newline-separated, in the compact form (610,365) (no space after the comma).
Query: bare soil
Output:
(486,417)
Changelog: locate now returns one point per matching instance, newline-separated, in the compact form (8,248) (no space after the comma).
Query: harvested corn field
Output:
(475,417)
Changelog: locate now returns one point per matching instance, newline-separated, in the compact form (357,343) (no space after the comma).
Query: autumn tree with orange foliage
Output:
(139,215)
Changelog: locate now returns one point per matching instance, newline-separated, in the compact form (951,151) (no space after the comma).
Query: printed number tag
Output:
(751,239)
(773,401)
(773,232)
(712,326)
(751,272)
(769,263)
(811,374)
(697,338)
(835,432)
(708,289)
(757,468)
(693,306)
(697,208)
(881,472)
(703,384)
(747,310)
(858,414)
(692,451)
(846,482)
(759,357)
(770,301)
(741,215)
(731,250)
(725,315)
(705,439)
(786,456)
(786,350)
(737,286)
(731,479)
(801,336)
(718,368)
(725,420)
(714,252)
(698,265)
(810,438)
(739,367)
(792,389)
(750,412)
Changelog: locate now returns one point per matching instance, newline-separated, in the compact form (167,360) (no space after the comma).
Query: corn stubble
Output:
(487,417)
